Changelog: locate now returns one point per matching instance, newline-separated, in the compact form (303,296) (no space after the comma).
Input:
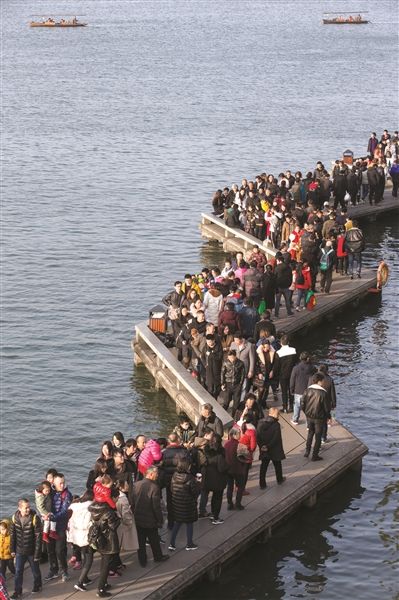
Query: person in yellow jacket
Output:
(6,559)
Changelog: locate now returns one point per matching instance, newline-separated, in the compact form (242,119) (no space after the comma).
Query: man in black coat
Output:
(173,452)
(283,275)
(317,410)
(268,435)
(106,522)
(340,186)
(147,511)
(212,358)
(354,245)
(329,386)
(299,381)
(208,420)
(373,178)
(232,377)
(25,545)
(173,301)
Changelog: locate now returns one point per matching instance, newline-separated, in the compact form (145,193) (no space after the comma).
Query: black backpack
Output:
(300,280)
(96,537)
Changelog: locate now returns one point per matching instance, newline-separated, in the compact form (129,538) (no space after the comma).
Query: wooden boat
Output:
(345,22)
(332,19)
(50,22)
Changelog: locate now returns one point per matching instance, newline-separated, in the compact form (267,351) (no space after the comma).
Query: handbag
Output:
(243,454)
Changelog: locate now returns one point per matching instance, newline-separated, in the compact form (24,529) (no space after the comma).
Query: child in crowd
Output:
(102,491)
(43,502)
(6,559)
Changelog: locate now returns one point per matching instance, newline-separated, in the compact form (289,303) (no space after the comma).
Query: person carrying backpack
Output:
(326,265)
(354,246)
(303,283)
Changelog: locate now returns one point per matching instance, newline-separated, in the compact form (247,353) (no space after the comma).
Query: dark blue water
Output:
(114,138)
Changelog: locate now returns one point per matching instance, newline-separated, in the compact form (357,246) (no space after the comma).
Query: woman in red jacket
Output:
(303,283)
(342,256)
(248,439)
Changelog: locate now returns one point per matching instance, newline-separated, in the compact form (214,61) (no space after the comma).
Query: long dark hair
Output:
(86,496)
(119,436)
(99,466)
(109,447)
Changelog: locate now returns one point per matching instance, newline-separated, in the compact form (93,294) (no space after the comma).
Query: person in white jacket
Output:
(77,532)
(213,302)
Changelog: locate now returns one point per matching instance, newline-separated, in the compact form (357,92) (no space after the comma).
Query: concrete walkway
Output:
(264,509)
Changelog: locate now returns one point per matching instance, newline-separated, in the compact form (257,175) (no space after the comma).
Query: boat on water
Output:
(50,22)
(340,19)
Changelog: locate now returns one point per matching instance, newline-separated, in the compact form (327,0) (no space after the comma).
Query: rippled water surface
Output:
(114,138)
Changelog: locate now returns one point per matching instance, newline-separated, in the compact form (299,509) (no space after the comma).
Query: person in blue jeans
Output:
(299,381)
(26,546)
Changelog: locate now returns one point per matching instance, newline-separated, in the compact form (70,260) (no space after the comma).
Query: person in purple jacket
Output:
(57,549)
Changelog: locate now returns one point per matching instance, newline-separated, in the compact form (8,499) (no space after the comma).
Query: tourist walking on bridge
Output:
(270,446)
(394,173)
(26,545)
(103,536)
(57,549)
(354,246)
(232,378)
(288,358)
(147,512)
(329,386)
(173,301)
(212,358)
(214,477)
(326,266)
(185,490)
(317,410)
(299,382)
(283,275)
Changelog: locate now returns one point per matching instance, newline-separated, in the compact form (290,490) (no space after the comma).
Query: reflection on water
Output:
(390,538)
(155,412)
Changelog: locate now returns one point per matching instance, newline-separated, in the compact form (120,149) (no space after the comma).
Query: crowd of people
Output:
(136,483)
(221,319)
(222,327)
(270,207)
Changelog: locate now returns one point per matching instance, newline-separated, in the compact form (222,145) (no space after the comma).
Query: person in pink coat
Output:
(151,454)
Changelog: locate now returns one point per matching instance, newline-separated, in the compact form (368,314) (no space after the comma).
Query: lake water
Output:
(114,138)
